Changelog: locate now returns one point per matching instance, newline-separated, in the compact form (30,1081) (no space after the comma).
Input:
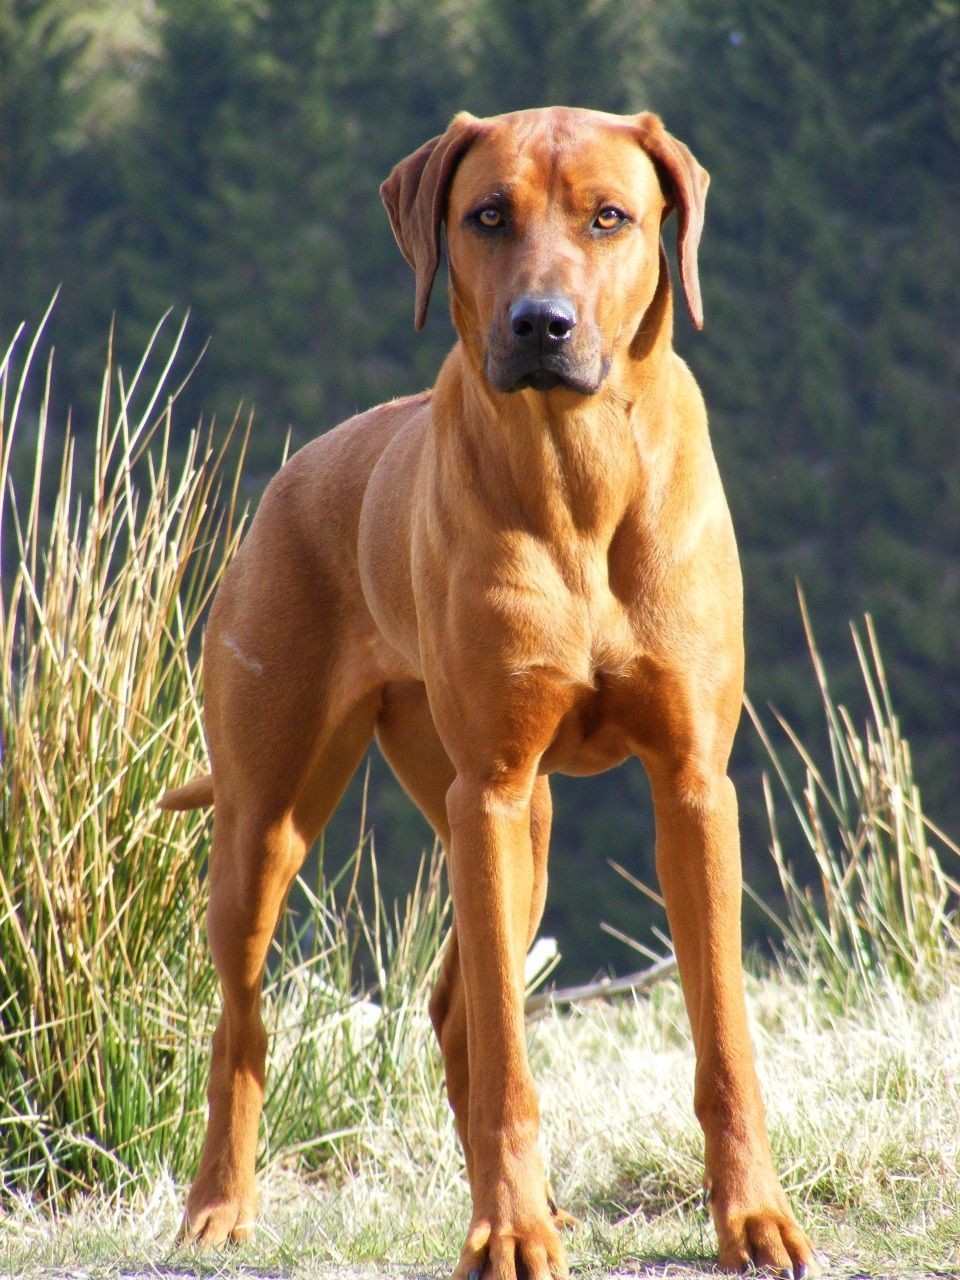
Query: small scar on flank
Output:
(244,659)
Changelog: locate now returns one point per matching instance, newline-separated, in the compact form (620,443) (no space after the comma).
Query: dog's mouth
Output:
(546,375)
(541,380)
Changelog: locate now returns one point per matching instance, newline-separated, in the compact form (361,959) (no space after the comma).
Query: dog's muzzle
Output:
(542,347)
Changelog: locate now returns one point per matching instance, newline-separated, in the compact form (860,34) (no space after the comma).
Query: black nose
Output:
(542,322)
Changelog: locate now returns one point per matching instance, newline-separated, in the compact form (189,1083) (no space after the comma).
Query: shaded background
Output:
(223,156)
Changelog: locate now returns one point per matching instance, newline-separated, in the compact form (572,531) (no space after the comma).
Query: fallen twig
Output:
(605,988)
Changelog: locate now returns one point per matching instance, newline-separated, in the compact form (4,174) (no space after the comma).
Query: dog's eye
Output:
(609,218)
(489,217)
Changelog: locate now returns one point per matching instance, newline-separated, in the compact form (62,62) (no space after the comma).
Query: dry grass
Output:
(884,907)
(102,988)
(107,995)
(864,1122)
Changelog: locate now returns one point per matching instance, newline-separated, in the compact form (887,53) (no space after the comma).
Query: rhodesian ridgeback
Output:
(529,569)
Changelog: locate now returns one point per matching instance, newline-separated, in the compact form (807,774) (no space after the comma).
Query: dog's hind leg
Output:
(409,740)
(259,843)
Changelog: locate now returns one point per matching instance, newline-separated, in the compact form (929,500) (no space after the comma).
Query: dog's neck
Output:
(558,463)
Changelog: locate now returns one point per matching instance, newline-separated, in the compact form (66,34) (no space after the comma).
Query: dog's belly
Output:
(591,738)
(595,754)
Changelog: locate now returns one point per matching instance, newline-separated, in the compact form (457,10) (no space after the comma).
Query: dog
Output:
(529,569)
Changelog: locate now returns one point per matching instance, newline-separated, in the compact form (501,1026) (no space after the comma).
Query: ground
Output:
(864,1116)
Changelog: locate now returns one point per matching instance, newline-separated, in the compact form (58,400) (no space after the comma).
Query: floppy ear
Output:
(685,184)
(416,198)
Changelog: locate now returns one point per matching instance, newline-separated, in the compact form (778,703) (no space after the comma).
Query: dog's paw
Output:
(769,1241)
(756,1229)
(210,1223)
(509,1251)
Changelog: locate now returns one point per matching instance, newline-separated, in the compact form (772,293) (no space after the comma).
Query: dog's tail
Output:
(196,794)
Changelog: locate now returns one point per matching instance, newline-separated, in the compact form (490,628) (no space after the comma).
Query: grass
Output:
(863,1123)
(102,989)
(884,908)
(107,997)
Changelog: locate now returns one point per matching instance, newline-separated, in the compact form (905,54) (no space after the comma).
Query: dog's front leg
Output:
(492,881)
(698,863)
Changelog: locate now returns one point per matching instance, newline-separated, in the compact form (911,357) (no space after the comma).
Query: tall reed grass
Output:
(106,994)
(884,907)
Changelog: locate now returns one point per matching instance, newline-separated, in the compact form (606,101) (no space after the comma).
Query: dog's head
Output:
(553,224)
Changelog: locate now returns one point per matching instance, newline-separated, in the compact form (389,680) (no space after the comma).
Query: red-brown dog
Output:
(530,569)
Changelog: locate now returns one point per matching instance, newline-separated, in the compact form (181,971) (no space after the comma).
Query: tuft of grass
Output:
(107,996)
(103,995)
(885,908)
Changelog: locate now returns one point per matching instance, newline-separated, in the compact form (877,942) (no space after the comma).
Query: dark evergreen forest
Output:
(223,157)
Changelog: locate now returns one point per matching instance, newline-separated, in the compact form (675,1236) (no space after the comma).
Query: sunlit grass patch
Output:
(863,1120)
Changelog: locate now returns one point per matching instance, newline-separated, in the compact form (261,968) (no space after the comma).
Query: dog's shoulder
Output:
(318,493)
(356,444)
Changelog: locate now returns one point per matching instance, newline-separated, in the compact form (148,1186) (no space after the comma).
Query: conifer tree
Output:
(37,53)
(602,54)
(829,359)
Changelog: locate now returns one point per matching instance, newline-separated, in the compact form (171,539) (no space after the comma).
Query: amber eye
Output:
(490,218)
(609,218)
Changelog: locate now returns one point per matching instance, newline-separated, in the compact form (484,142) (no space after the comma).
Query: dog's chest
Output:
(584,650)
(616,714)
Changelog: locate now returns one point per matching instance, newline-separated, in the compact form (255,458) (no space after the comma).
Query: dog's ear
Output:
(685,184)
(416,198)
